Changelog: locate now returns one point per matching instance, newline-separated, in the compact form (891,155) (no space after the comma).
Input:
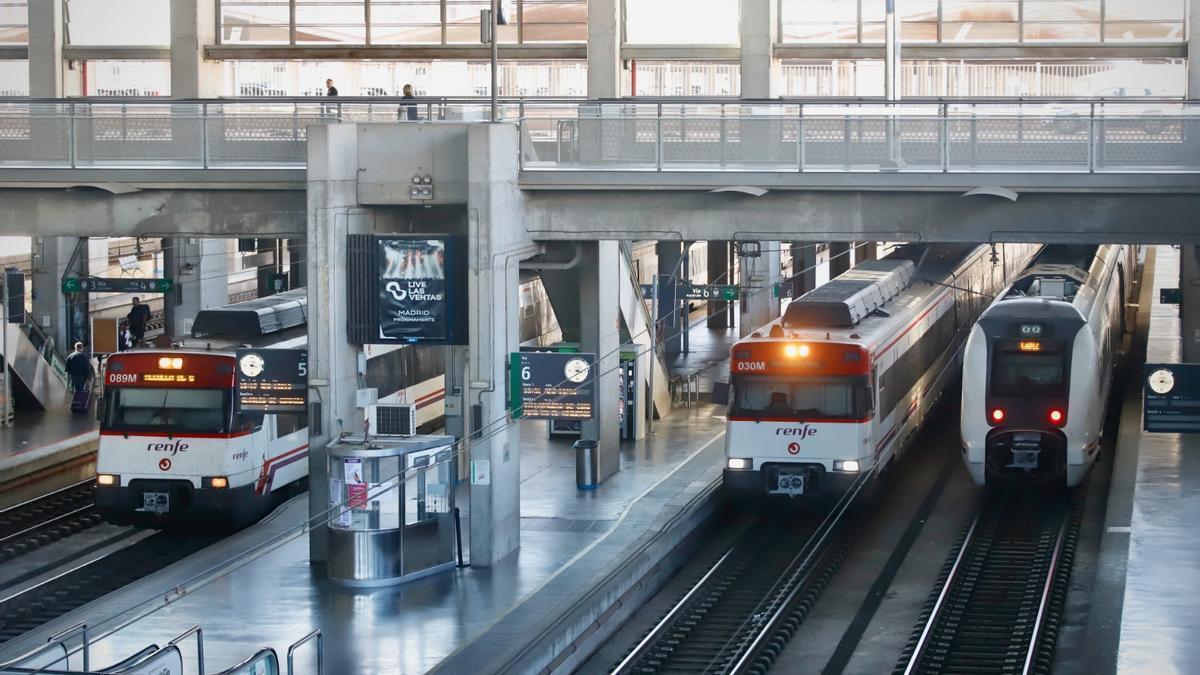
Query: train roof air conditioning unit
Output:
(393,420)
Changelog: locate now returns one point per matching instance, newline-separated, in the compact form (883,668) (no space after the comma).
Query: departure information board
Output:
(272,380)
(1171,397)
(547,385)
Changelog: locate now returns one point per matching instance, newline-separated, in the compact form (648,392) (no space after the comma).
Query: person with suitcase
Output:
(79,369)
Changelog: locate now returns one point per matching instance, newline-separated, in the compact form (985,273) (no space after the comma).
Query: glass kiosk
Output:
(392,509)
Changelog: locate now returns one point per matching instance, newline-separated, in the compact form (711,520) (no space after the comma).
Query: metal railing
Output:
(842,135)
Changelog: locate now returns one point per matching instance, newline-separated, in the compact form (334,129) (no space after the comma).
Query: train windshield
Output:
(802,398)
(201,411)
(1024,373)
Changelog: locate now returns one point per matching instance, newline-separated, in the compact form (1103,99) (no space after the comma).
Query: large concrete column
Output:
(498,243)
(332,360)
(200,268)
(297,277)
(839,258)
(804,269)
(671,276)
(720,271)
(759,275)
(600,329)
(64,317)
(865,250)
(761,73)
(604,49)
(193,25)
(1193,64)
(45,49)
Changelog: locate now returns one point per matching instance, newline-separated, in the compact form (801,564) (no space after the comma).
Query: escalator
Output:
(38,371)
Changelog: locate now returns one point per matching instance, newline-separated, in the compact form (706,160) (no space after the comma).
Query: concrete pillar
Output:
(761,73)
(296,265)
(271,248)
(601,334)
(720,271)
(64,317)
(193,25)
(804,268)
(865,250)
(604,49)
(332,361)
(1193,64)
(45,49)
(759,275)
(200,268)
(839,258)
(671,276)
(1189,311)
(498,243)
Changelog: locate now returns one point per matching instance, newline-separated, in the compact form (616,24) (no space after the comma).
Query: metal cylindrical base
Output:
(365,558)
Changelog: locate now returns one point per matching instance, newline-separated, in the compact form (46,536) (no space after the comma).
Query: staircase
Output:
(638,321)
(36,366)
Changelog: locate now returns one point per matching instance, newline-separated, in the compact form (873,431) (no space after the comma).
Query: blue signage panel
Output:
(549,385)
(1171,397)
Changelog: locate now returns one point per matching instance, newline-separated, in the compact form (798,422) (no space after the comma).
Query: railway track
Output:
(742,611)
(997,603)
(32,607)
(40,521)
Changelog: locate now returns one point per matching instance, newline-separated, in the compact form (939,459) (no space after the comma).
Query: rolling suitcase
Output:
(81,401)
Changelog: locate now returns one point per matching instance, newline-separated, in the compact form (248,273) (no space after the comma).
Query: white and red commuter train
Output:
(1039,366)
(174,451)
(831,392)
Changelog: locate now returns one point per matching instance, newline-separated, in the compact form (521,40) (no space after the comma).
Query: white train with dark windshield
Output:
(1039,365)
(834,390)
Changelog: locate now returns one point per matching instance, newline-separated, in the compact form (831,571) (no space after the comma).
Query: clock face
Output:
(251,365)
(1161,381)
(576,370)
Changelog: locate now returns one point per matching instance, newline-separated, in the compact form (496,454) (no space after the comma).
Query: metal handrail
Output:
(299,643)
(575,100)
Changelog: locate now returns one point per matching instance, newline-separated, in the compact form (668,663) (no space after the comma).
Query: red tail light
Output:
(997,415)
(1056,416)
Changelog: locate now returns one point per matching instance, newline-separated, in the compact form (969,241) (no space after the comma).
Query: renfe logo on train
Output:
(173,448)
(802,431)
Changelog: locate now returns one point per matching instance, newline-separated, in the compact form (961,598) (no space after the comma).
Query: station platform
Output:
(256,588)
(1144,617)
(44,451)
(708,354)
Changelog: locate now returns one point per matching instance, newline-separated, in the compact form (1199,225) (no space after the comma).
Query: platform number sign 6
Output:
(526,375)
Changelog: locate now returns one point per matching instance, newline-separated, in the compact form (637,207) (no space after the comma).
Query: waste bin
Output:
(587,464)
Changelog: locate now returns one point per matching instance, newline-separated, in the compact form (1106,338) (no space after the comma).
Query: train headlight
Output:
(997,415)
(739,463)
(792,351)
(107,479)
(170,363)
(848,465)
(216,482)
(1056,417)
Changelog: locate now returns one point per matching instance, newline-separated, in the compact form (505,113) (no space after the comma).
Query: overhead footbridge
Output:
(799,170)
